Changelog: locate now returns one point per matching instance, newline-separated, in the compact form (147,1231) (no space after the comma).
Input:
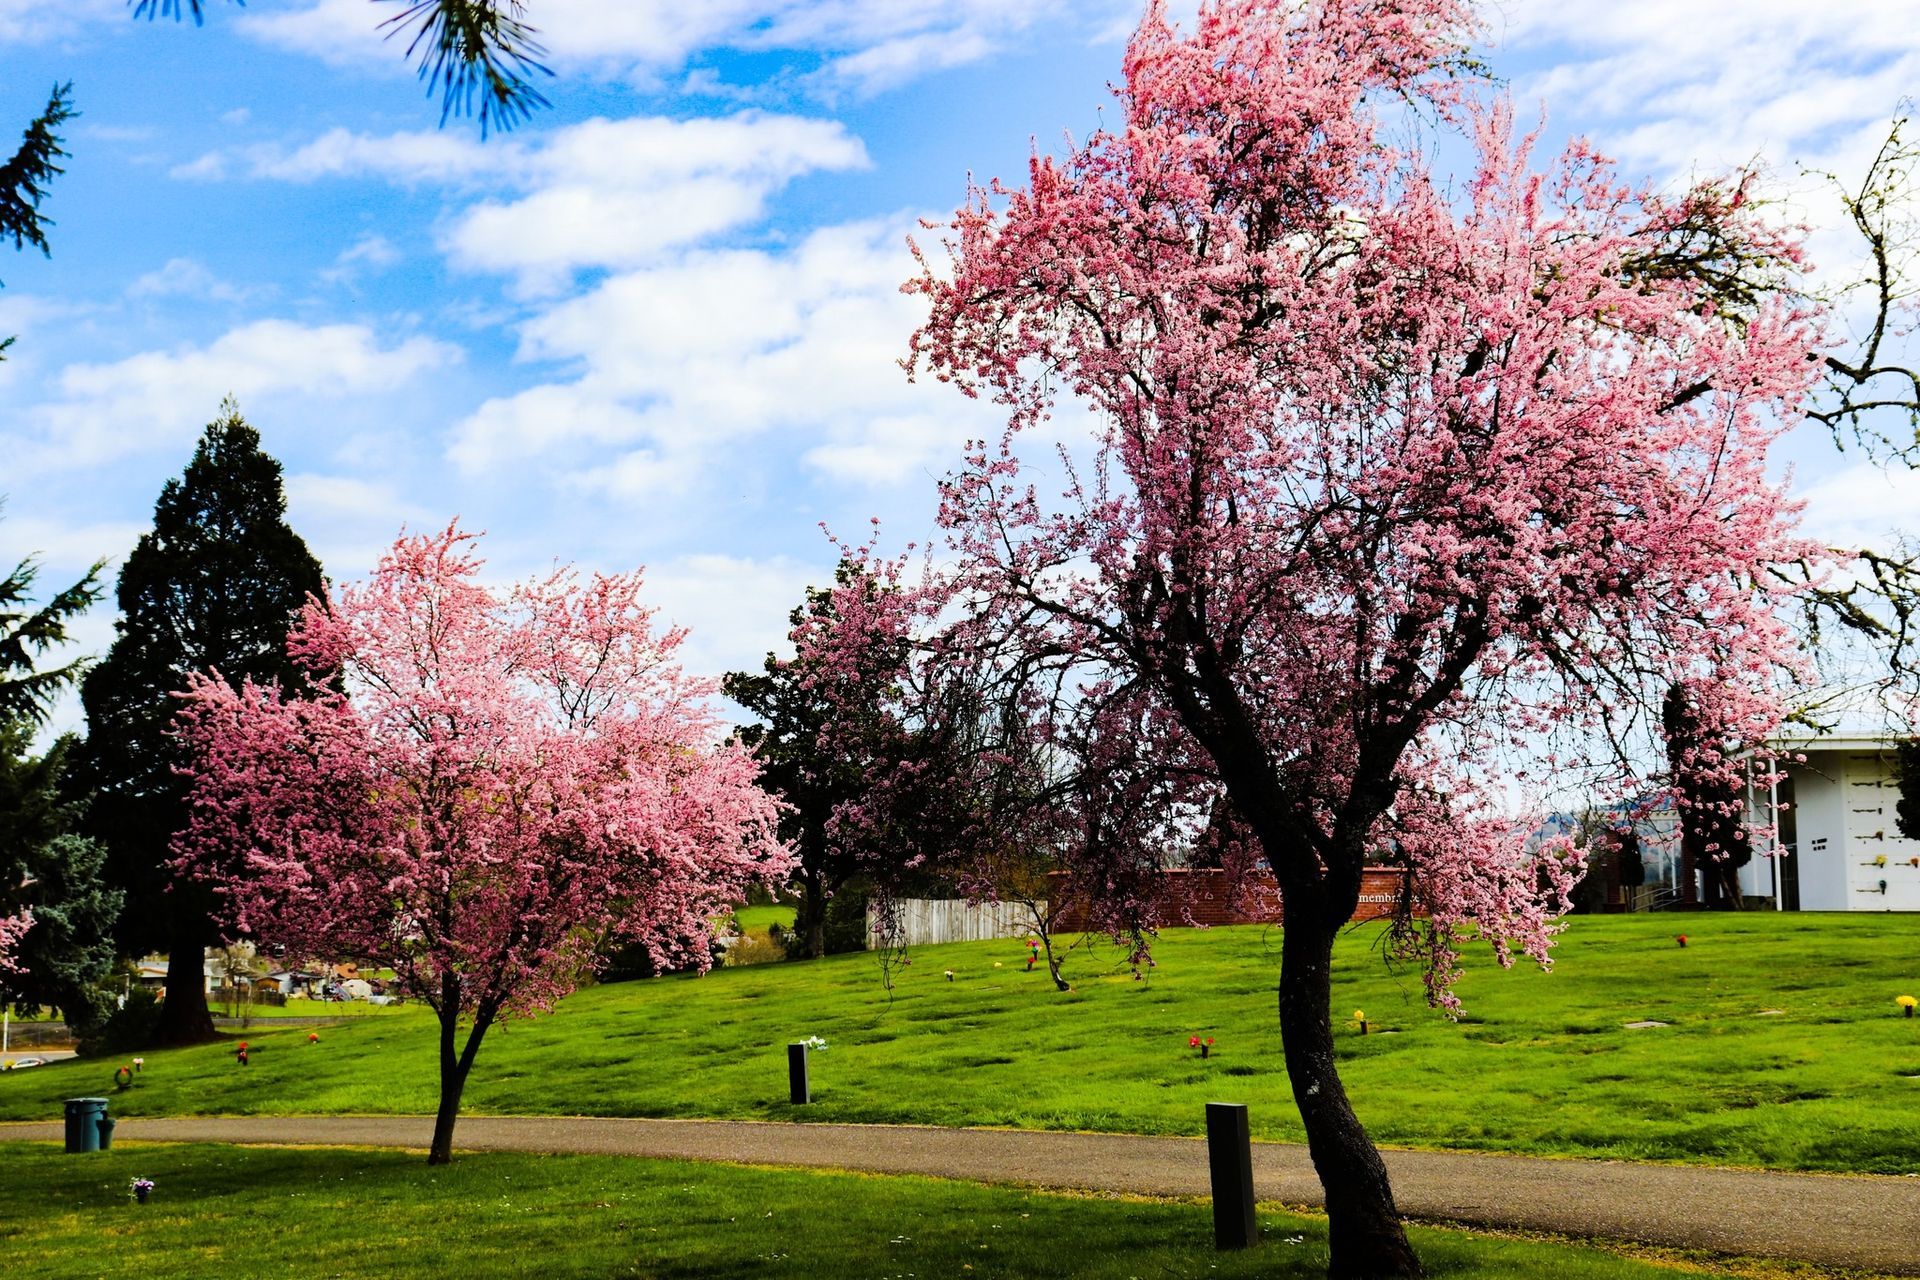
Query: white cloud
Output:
(374,250)
(350,522)
(64,550)
(537,421)
(370,252)
(420,156)
(602,193)
(1718,82)
(35,21)
(184,277)
(687,359)
(617,193)
(890,450)
(160,399)
(1861,505)
(120,132)
(895,62)
(210,167)
(880,42)
(735,609)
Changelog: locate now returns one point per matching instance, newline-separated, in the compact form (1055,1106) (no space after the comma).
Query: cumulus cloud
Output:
(64,549)
(680,362)
(615,193)
(602,193)
(869,44)
(160,399)
(184,277)
(1717,82)
(895,62)
(36,21)
(421,156)
(373,253)
(735,608)
(350,521)
(1861,505)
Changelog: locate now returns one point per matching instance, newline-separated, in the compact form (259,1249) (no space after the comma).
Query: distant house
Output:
(151,971)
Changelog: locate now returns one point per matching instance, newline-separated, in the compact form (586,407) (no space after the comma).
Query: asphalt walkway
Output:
(1841,1221)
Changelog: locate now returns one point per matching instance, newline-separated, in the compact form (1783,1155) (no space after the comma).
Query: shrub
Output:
(126,1028)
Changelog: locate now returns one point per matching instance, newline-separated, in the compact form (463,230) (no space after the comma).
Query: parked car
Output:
(21,1064)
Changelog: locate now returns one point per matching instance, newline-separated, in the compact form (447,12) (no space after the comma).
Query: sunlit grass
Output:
(385,1214)
(1783,1047)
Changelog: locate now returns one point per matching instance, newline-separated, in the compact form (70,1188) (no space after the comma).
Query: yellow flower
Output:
(1906,1002)
(1359,1015)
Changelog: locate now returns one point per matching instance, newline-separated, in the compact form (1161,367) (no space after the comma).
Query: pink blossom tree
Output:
(482,790)
(1402,494)
(12,929)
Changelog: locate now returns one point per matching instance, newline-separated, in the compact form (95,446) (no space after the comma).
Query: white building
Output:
(1835,817)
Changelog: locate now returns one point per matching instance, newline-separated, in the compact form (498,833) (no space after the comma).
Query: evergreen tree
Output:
(825,730)
(213,588)
(60,876)
(28,631)
(42,865)
(23,178)
(814,782)
(1906,778)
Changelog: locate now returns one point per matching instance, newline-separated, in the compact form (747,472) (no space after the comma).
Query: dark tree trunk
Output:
(1364,1231)
(1043,930)
(455,1065)
(184,1015)
(1723,885)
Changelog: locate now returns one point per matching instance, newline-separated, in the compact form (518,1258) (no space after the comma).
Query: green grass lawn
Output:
(760,919)
(1783,1047)
(241,1211)
(314,1009)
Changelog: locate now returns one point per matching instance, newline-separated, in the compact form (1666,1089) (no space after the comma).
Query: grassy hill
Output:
(1782,1047)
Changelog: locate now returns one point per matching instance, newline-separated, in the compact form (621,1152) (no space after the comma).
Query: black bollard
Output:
(1230,1159)
(798,1092)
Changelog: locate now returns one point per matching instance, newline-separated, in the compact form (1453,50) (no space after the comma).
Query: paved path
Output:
(1837,1221)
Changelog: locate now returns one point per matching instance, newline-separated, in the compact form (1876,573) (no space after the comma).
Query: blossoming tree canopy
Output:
(12,929)
(485,788)
(1395,477)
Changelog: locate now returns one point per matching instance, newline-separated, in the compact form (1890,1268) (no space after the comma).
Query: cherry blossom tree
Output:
(12,929)
(1403,492)
(482,790)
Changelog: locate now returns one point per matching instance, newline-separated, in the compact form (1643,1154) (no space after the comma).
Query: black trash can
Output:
(106,1131)
(83,1124)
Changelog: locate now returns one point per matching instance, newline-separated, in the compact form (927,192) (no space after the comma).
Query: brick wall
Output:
(1204,896)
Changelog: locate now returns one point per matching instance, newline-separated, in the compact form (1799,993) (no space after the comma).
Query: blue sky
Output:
(658,325)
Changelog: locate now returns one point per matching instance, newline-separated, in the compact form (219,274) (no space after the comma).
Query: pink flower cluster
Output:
(1404,493)
(12,929)
(481,788)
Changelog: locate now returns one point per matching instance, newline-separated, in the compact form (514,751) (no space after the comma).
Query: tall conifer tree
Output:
(213,588)
(43,866)
(59,877)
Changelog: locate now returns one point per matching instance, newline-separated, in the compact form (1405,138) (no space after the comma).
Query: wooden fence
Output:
(1210,897)
(925,921)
